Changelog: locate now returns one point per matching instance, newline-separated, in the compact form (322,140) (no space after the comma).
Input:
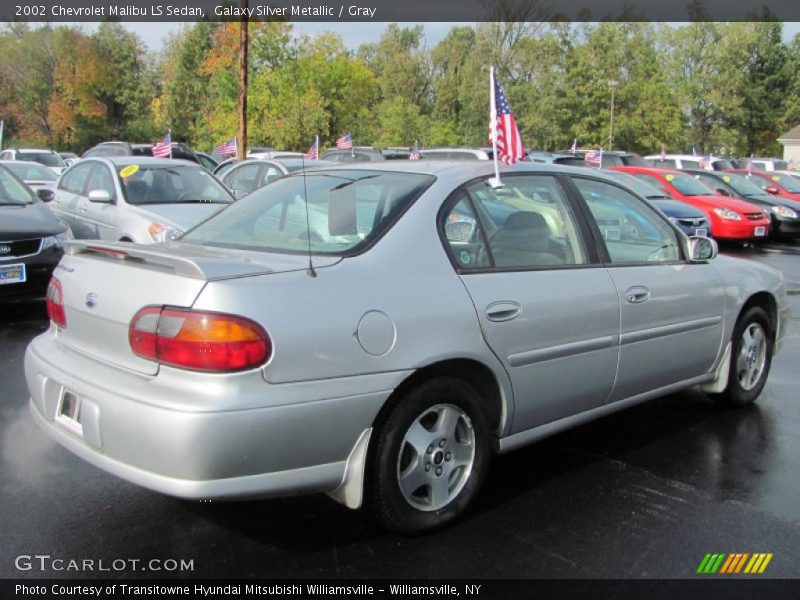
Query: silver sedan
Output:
(443,317)
(136,198)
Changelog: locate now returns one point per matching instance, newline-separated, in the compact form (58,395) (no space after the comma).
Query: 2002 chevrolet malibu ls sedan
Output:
(424,319)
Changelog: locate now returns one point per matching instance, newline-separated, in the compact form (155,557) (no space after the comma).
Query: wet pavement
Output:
(644,493)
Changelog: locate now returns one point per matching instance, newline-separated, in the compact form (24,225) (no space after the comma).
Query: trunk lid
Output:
(105,284)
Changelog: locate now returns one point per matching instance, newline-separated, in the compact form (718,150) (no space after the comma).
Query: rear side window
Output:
(332,212)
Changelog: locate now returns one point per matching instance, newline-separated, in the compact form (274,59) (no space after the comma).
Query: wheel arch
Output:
(765,301)
(474,372)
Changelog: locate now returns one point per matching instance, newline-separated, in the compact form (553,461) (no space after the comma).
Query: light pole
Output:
(613,83)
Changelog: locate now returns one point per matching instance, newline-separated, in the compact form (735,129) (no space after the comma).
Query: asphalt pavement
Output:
(645,493)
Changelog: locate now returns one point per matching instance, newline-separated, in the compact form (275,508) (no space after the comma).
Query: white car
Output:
(689,161)
(48,158)
(136,198)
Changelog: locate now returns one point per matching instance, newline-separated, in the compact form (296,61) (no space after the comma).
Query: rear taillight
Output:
(54,301)
(202,341)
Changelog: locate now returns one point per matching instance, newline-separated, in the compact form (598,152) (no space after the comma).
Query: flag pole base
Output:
(496,183)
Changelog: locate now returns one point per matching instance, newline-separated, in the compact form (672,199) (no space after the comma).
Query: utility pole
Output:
(613,84)
(241,135)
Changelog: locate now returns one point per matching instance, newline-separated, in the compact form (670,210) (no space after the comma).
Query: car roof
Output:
(464,170)
(140,160)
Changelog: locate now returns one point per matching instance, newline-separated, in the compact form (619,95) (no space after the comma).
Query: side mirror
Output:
(45,195)
(702,249)
(723,192)
(772,190)
(101,196)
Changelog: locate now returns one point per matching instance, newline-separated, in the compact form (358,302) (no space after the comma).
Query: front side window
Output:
(632,230)
(526,224)
(102,179)
(332,212)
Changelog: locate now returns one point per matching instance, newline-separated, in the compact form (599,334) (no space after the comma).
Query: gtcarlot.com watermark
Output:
(45,563)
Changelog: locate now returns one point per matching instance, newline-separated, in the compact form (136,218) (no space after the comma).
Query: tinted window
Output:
(633,231)
(646,188)
(48,159)
(345,211)
(74,180)
(526,224)
(666,163)
(634,161)
(611,160)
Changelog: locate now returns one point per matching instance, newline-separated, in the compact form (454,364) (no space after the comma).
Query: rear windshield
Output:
(167,184)
(346,211)
(48,159)
(31,172)
(634,160)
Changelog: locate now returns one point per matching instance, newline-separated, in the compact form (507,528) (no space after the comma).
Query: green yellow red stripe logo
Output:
(734,563)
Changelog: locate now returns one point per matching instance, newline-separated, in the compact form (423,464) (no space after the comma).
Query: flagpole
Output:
(169,133)
(493,128)
(316,143)
(2,122)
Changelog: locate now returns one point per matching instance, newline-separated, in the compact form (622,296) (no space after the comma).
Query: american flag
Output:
(663,152)
(507,138)
(313,152)
(227,148)
(749,167)
(574,147)
(705,162)
(594,157)
(346,141)
(163,149)
(414,154)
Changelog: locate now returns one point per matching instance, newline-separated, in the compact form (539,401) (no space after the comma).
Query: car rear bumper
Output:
(124,427)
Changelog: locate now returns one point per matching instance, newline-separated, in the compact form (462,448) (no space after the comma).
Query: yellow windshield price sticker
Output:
(726,178)
(129,170)
(776,178)
(669,177)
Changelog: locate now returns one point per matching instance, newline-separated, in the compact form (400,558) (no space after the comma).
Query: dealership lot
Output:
(643,493)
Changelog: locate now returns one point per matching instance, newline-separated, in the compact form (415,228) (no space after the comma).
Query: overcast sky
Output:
(353,34)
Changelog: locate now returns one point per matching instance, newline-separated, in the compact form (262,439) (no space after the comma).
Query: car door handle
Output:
(637,294)
(503,311)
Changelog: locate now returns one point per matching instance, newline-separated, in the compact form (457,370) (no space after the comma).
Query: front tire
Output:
(430,457)
(751,358)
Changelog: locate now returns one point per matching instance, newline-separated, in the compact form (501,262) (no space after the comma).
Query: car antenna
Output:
(310,271)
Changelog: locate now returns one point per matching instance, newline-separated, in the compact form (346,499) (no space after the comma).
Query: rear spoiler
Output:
(195,261)
(127,252)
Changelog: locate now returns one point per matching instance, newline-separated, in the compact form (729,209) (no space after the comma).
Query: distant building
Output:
(791,146)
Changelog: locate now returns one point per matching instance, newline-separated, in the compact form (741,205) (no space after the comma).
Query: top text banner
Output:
(399,10)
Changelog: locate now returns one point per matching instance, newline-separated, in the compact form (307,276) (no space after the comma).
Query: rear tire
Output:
(751,357)
(430,457)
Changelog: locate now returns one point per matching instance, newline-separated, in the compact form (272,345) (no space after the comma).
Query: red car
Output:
(777,184)
(730,218)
